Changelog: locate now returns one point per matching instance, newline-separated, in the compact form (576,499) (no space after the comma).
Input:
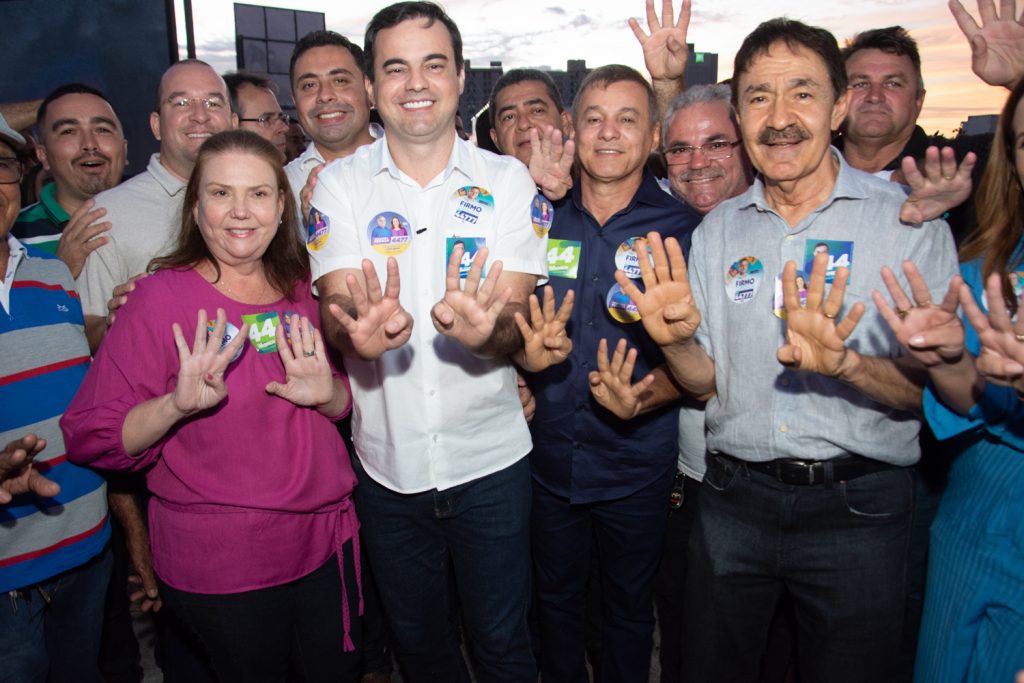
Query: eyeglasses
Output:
(183,103)
(713,151)
(267,120)
(10,170)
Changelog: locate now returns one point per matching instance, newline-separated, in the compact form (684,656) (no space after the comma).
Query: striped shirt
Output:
(40,225)
(45,357)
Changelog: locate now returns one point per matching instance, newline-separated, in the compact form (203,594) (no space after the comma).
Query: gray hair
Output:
(698,94)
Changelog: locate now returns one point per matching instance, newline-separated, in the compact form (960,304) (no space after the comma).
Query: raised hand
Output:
(665,52)
(201,373)
(119,297)
(469,314)
(933,334)
(666,305)
(551,162)
(381,324)
(17,474)
(997,46)
(306,193)
(612,383)
(308,378)
(941,187)
(1001,360)
(815,339)
(80,236)
(545,342)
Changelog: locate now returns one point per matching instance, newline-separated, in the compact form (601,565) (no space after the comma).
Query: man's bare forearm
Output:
(897,383)
(506,338)
(692,368)
(333,331)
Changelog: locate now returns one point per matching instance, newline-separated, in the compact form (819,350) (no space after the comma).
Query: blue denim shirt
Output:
(580,450)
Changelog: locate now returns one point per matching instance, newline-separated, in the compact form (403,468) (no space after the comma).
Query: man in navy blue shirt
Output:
(604,443)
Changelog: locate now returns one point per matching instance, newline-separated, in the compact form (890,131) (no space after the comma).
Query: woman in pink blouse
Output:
(254,536)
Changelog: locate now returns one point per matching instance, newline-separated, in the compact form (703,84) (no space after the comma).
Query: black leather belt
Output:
(812,472)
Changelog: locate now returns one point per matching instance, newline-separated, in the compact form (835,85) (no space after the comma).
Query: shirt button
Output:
(789,238)
(785,382)
(433,392)
(595,278)
(783,427)
(434,438)
(590,323)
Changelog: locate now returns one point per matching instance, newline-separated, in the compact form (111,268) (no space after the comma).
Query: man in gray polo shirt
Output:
(145,211)
(809,415)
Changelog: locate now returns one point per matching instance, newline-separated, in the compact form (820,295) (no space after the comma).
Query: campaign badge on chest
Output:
(840,255)
(743,279)
(263,330)
(230,332)
(778,299)
(620,306)
(541,215)
(470,246)
(564,258)
(626,258)
(318,229)
(471,203)
(389,233)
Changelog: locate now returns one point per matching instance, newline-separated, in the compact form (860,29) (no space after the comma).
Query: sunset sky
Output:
(542,33)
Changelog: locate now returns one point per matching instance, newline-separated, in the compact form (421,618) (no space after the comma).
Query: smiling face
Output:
(182,127)
(705,183)
(331,100)
(885,97)
(82,145)
(787,111)
(614,132)
(239,206)
(416,84)
(520,108)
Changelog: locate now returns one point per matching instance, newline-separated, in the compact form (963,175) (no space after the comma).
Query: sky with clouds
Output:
(541,33)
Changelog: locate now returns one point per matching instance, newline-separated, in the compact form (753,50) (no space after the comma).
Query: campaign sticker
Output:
(840,255)
(1016,279)
(318,229)
(778,300)
(389,233)
(471,202)
(470,245)
(541,215)
(263,330)
(620,306)
(626,258)
(230,332)
(743,278)
(563,258)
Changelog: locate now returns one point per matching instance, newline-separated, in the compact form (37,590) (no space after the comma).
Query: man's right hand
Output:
(17,474)
(380,323)
(79,238)
(666,305)
(119,297)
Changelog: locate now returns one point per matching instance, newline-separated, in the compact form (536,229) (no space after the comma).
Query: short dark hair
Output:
(603,76)
(514,76)
(324,39)
(160,82)
(59,92)
(236,79)
(285,261)
(395,14)
(894,40)
(794,34)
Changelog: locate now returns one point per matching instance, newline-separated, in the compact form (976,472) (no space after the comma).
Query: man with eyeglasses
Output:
(144,212)
(54,558)
(254,100)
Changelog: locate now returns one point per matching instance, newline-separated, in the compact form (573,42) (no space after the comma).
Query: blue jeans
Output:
(483,526)
(58,641)
(839,550)
(628,534)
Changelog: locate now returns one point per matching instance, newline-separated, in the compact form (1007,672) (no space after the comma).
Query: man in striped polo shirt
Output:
(82,145)
(54,560)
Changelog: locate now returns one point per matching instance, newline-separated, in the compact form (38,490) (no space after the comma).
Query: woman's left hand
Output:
(308,375)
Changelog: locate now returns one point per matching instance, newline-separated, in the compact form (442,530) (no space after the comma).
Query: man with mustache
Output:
(807,490)
(82,145)
(144,212)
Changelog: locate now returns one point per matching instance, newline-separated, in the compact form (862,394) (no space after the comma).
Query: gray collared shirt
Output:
(762,410)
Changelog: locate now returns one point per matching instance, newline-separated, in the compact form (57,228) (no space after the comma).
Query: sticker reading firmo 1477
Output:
(230,332)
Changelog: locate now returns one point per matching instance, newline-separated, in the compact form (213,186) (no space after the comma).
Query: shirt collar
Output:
(48,200)
(849,184)
(649,193)
(459,159)
(170,183)
(17,253)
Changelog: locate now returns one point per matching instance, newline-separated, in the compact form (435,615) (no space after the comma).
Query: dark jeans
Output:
(483,526)
(628,534)
(255,635)
(57,641)
(839,549)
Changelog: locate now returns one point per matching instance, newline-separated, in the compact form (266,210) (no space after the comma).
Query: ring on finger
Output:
(948,177)
(830,316)
(1020,337)
(309,354)
(923,304)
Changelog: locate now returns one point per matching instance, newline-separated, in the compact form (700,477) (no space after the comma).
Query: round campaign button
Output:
(620,306)
(318,229)
(626,258)
(389,233)
(743,279)
(230,332)
(541,215)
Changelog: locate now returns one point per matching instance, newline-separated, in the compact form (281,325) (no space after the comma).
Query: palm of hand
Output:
(821,349)
(471,324)
(1002,61)
(370,328)
(652,313)
(660,60)
(200,384)
(928,319)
